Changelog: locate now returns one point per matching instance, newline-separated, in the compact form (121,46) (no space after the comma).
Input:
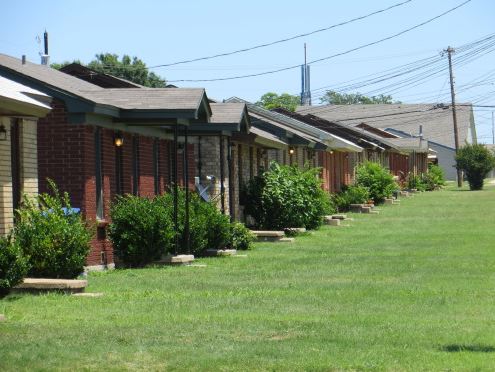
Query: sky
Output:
(166,32)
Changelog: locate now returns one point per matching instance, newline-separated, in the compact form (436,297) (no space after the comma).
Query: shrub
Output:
(476,160)
(13,265)
(54,239)
(209,228)
(377,180)
(350,195)
(435,178)
(286,196)
(141,229)
(416,182)
(240,236)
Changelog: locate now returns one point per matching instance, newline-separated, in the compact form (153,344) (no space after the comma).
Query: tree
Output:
(273,100)
(476,160)
(132,69)
(334,98)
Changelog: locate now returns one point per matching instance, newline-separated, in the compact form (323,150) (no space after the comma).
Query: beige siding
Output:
(29,158)
(6,212)
(29,170)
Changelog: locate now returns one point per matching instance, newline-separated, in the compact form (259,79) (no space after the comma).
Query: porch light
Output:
(291,150)
(118,139)
(3,133)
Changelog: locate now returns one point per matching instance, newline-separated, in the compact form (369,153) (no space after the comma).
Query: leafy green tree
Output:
(272,100)
(334,98)
(132,69)
(476,160)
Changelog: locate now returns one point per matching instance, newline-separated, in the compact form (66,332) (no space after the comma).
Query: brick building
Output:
(97,143)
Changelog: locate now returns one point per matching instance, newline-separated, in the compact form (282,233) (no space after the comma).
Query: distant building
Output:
(432,122)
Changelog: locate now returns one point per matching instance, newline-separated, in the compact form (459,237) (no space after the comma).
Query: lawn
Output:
(409,289)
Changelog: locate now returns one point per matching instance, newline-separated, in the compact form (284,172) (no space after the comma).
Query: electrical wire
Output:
(331,56)
(264,45)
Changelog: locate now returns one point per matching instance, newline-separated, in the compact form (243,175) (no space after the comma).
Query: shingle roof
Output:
(148,98)
(98,78)
(410,144)
(437,122)
(18,99)
(47,75)
(164,99)
(225,113)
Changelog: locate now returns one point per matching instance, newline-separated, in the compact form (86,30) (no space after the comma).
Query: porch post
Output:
(175,191)
(231,183)
(186,185)
(222,176)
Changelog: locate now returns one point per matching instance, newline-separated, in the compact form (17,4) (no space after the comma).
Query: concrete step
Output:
(42,284)
(294,230)
(181,259)
(221,252)
(331,221)
(269,236)
(268,233)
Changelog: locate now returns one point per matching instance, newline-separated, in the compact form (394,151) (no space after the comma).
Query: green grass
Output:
(410,289)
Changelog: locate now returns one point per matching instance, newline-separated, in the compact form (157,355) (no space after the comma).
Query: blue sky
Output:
(162,32)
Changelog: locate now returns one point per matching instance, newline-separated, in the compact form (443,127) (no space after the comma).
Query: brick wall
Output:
(60,154)
(335,170)
(66,154)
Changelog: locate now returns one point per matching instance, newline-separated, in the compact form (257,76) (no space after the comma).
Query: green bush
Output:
(416,182)
(350,195)
(141,229)
(476,161)
(286,196)
(434,179)
(241,237)
(377,180)
(13,265)
(53,238)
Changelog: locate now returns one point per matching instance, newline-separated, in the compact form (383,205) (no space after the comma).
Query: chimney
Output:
(421,131)
(23,59)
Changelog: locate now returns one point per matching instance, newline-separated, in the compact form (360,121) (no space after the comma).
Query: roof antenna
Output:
(305,82)
(45,58)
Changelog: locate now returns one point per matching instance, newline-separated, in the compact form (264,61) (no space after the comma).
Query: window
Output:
(156,165)
(135,165)
(98,175)
(119,170)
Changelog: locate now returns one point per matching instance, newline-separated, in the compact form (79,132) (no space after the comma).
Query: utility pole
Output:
(449,51)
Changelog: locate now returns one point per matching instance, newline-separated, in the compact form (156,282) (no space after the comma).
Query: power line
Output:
(328,57)
(436,64)
(283,40)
